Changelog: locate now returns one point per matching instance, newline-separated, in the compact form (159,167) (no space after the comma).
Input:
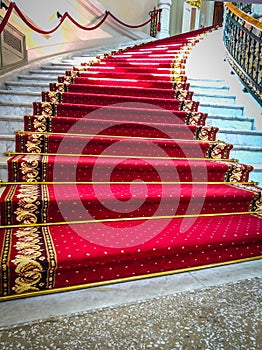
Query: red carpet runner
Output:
(116,176)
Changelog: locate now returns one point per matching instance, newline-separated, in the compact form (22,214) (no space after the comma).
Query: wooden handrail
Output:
(248,19)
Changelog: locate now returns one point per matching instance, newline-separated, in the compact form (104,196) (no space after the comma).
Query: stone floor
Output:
(210,309)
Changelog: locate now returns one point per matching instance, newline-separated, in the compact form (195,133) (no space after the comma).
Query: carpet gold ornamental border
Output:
(126,279)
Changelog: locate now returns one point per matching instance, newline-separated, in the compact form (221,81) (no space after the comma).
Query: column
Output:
(165,6)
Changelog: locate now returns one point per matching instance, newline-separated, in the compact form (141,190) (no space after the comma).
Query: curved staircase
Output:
(117,172)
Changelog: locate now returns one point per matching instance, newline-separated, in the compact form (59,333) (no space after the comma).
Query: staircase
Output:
(214,96)
(99,190)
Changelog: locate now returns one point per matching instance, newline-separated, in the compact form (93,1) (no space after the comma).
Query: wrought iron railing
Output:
(243,6)
(243,41)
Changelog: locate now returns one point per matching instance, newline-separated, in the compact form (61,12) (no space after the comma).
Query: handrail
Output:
(13,7)
(243,43)
(248,19)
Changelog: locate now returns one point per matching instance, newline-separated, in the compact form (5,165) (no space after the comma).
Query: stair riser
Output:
(222,110)
(15,110)
(210,84)
(256,175)
(48,72)
(3,172)
(214,99)
(247,157)
(19,97)
(29,87)
(9,126)
(53,69)
(209,89)
(36,79)
(7,145)
(239,139)
(227,124)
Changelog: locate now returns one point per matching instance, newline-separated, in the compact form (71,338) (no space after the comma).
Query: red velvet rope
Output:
(13,6)
(7,16)
(134,26)
(36,29)
(88,28)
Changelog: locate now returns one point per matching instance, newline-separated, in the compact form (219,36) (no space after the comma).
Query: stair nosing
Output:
(244,132)
(16,104)
(12,118)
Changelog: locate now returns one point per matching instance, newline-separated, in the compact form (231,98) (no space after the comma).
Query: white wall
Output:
(69,37)
(131,11)
(176,22)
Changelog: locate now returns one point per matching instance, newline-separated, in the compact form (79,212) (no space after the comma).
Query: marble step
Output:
(241,137)
(78,60)
(208,84)
(9,124)
(37,72)
(15,108)
(37,78)
(231,122)
(256,174)
(57,66)
(43,86)
(209,89)
(247,154)
(51,68)
(3,169)
(27,86)
(206,80)
(204,97)
(222,109)
(7,143)
(19,96)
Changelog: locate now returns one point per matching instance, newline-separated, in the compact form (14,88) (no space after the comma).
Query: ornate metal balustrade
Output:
(245,7)
(243,41)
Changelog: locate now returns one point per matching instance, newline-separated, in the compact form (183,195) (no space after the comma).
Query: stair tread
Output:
(19,92)
(206,80)
(44,71)
(211,87)
(12,117)
(221,105)
(30,77)
(7,136)
(248,148)
(229,117)
(16,104)
(23,83)
(214,95)
(241,132)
